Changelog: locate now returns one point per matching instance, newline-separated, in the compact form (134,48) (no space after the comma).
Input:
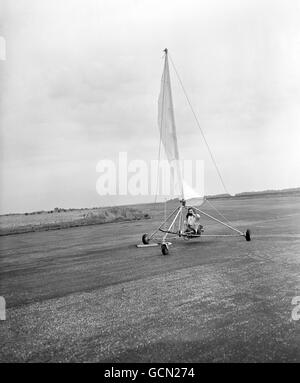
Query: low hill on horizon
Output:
(257,193)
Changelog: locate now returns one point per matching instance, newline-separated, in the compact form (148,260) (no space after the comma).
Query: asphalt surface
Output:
(88,294)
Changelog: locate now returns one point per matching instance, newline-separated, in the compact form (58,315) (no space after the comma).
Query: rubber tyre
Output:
(248,236)
(164,249)
(145,239)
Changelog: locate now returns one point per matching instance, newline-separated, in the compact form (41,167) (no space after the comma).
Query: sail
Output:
(167,127)
(191,196)
(168,136)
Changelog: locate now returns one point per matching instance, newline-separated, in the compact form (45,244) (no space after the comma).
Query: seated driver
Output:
(192,222)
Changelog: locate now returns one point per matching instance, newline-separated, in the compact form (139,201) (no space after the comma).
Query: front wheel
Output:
(145,239)
(247,235)
(164,249)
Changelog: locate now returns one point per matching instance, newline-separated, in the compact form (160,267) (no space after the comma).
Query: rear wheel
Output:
(247,235)
(145,239)
(164,249)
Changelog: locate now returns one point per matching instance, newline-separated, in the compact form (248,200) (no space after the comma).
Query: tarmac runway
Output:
(87,294)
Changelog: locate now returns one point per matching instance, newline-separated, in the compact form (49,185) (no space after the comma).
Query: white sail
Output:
(166,123)
(191,196)
(167,127)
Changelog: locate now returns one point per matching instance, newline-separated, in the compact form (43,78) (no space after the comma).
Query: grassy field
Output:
(88,294)
(66,218)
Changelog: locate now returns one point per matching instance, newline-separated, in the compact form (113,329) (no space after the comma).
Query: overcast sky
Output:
(81,80)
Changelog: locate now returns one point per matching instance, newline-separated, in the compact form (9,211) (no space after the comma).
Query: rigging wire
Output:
(205,141)
(198,124)
(223,216)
